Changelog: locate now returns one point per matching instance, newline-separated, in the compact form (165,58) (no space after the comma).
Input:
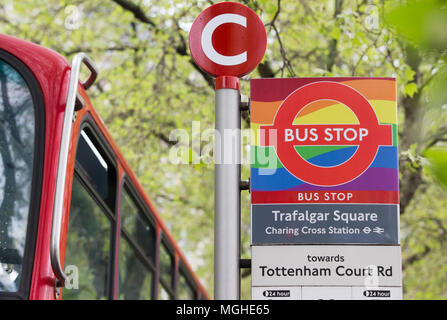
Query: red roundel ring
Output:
(366,151)
(227,39)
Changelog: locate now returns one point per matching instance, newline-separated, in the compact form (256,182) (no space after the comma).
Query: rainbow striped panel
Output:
(272,183)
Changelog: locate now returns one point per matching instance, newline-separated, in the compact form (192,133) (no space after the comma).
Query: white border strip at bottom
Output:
(326,293)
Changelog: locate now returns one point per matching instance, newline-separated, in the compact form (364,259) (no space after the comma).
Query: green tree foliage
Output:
(421,28)
(149,85)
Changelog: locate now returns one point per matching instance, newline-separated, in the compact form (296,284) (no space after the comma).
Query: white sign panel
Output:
(276,293)
(368,266)
(326,293)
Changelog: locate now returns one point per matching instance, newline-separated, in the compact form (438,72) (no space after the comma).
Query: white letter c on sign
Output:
(207,43)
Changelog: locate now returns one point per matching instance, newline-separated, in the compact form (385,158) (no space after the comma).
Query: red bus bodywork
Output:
(52,71)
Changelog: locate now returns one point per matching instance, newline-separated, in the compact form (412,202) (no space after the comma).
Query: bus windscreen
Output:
(17,136)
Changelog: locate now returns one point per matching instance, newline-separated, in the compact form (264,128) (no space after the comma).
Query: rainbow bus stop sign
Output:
(324,161)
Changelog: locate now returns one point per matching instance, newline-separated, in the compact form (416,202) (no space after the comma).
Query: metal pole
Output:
(227,176)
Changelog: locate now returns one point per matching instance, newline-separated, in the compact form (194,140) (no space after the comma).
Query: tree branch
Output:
(278,10)
(286,62)
(438,136)
(180,48)
(374,44)
(416,257)
(330,61)
(137,11)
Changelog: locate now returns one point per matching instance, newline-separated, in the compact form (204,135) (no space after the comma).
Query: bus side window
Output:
(88,254)
(165,288)
(137,251)
(185,290)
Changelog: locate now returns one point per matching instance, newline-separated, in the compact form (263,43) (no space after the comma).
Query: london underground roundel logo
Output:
(367,135)
(227,39)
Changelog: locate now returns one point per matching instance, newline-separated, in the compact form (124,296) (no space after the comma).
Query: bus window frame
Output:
(170,249)
(37,176)
(182,270)
(100,142)
(129,187)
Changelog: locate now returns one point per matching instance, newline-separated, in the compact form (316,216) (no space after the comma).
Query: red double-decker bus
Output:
(74,221)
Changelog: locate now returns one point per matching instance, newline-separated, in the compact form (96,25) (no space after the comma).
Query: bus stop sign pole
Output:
(227,175)
(227,40)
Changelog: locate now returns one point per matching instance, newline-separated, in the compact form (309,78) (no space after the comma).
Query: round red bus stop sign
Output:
(227,39)
(368,135)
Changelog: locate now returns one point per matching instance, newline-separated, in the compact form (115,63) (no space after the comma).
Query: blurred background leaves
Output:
(148,86)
